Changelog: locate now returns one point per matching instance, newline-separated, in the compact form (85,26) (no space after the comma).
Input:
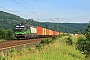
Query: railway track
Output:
(15,43)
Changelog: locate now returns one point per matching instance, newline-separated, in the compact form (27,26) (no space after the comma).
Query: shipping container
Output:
(50,32)
(33,30)
(61,33)
(47,31)
(57,33)
(44,31)
(54,33)
(39,30)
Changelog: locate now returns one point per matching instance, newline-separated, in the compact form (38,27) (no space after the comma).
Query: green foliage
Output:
(60,36)
(2,34)
(64,27)
(9,34)
(69,41)
(83,44)
(8,21)
(2,57)
(55,51)
(76,32)
(6,34)
(87,32)
(46,41)
(54,38)
(38,46)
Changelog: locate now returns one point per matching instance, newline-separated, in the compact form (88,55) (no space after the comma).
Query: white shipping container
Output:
(33,30)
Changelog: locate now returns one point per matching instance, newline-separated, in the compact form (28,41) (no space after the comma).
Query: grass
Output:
(1,40)
(58,50)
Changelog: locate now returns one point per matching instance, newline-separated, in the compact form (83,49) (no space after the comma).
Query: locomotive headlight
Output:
(22,26)
(17,26)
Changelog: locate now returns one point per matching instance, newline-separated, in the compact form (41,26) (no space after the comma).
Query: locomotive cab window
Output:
(19,28)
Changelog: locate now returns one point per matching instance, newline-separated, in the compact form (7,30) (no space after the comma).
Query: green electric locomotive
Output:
(22,31)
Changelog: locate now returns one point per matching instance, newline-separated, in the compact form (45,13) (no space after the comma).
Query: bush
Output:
(6,34)
(2,34)
(39,46)
(83,45)
(46,41)
(60,36)
(9,34)
(69,41)
(53,38)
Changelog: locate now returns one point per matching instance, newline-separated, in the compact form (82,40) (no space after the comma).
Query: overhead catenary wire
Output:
(83,17)
(26,8)
(36,11)
(43,11)
(28,5)
(39,6)
(9,10)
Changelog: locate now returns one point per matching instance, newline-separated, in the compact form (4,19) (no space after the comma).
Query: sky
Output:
(61,11)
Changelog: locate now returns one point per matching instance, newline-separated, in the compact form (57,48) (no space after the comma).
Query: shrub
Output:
(81,43)
(6,34)
(46,41)
(39,46)
(53,38)
(60,36)
(9,34)
(69,41)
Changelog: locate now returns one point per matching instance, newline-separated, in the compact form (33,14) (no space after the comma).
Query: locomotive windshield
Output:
(19,28)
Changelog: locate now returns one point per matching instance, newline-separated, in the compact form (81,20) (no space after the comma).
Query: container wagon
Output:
(25,31)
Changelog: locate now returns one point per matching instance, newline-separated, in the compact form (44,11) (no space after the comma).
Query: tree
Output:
(9,34)
(83,44)
(1,34)
(6,34)
(87,34)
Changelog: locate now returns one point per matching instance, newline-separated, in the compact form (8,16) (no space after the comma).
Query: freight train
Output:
(25,31)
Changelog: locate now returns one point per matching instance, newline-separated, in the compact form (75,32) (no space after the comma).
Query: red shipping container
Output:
(39,30)
(47,31)
(53,32)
